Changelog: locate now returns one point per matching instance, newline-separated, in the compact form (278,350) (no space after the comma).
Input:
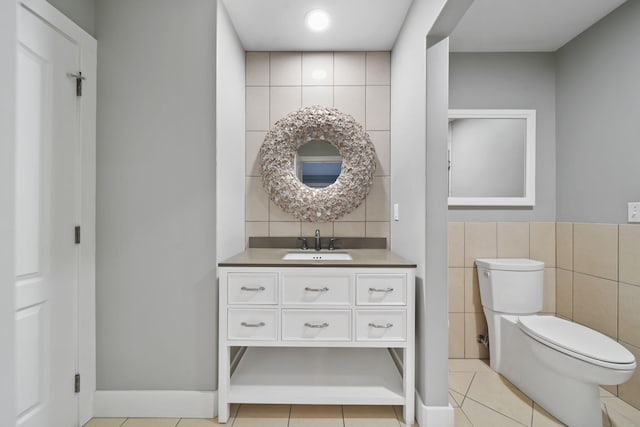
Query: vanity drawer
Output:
(317,289)
(259,325)
(381,289)
(253,288)
(316,325)
(381,325)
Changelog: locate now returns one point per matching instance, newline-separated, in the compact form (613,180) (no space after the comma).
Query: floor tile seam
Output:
(289,418)
(494,410)
(606,411)
(468,388)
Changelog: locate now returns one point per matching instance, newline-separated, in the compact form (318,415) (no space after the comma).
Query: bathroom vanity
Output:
(316,331)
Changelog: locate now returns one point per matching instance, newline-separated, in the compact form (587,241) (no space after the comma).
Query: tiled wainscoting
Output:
(592,276)
(356,83)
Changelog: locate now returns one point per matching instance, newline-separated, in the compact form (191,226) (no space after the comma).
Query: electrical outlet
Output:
(634,211)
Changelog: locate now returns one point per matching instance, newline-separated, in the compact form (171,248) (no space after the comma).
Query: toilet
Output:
(557,363)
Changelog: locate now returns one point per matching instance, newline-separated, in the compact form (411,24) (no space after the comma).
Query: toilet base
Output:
(575,403)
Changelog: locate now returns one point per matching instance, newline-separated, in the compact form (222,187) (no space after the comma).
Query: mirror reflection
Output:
(318,164)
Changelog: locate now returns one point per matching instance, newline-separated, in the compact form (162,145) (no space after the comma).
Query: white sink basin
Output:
(317,256)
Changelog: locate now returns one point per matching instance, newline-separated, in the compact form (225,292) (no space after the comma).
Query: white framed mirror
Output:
(492,157)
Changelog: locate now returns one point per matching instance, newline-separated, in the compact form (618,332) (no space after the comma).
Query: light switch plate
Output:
(634,211)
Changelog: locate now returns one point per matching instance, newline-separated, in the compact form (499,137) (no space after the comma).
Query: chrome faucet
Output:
(318,246)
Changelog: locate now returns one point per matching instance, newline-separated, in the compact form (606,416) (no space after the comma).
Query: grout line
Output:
(496,411)
(289,418)
(342,411)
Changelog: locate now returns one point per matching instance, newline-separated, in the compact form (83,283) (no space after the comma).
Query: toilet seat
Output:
(577,341)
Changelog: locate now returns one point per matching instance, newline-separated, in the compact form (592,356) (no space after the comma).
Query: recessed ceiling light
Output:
(317,20)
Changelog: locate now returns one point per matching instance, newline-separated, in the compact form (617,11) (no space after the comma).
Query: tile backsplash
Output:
(592,276)
(356,83)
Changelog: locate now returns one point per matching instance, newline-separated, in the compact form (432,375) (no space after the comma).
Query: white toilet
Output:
(557,363)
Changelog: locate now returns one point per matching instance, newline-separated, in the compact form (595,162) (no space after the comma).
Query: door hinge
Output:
(77,383)
(77,235)
(79,78)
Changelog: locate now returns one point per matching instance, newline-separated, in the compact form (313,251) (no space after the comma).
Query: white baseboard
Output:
(155,403)
(433,416)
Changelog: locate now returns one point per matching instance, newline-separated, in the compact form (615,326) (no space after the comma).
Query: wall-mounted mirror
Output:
(318,164)
(492,157)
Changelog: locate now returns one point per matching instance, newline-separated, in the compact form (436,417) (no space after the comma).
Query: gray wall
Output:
(155,285)
(517,81)
(82,12)
(598,103)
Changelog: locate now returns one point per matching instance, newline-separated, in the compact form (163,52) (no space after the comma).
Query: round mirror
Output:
(318,164)
(321,129)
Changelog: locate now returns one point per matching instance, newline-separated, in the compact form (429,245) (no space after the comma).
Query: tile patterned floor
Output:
(480,398)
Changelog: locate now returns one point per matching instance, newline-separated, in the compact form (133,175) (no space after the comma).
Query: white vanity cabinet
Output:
(316,335)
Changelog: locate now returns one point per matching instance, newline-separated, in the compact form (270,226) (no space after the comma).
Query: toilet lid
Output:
(575,338)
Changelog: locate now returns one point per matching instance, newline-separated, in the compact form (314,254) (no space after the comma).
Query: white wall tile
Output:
(381,141)
(349,68)
(286,68)
(284,100)
(257,69)
(253,141)
(378,108)
(378,68)
(350,100)
(317,95)
(349,229)
(257,108)
(284,229)
(317,68)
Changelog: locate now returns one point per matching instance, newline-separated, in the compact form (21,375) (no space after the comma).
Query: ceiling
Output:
(488,25)
(526,25)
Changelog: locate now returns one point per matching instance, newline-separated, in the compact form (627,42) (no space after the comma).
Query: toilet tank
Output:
(511,285)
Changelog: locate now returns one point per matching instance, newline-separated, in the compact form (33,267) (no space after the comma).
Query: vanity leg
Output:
(409,384)
(223,384)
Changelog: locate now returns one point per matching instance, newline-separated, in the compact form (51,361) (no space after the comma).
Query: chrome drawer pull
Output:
(317,325)
(386,291)
(252,325)
(259,289)
(308,289)
(387,326)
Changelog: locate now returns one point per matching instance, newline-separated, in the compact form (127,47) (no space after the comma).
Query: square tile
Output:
(378,68)
(513,239)
(542,242)
(564,293)
(253,142)
(286,69)
(595,250)
(256,229)
(459,382)
(257,200)
(276,213)
(549,293)
(257,69)
(378,229)
(377,202)
(358,214)
(630,254)
(316,416)
(487,417)
(595,303)
(309,229)
(369,416)
(480,241)
(284,228)
(105,422)
(284,100)
(262,416)
(317,95)
(349,229)
(257,108)
(349,68)
(456,244)
(151,422)
(317,68)
(350,100)
(495,392)
(629,314)
(381,142)
(475,324)
(564,245)
(456,290)
(472,301)
(378,107)
(456,335)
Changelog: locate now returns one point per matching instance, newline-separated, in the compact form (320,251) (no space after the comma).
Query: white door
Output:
(47,210)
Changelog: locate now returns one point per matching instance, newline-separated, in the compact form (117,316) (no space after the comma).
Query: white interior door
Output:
(47,210)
